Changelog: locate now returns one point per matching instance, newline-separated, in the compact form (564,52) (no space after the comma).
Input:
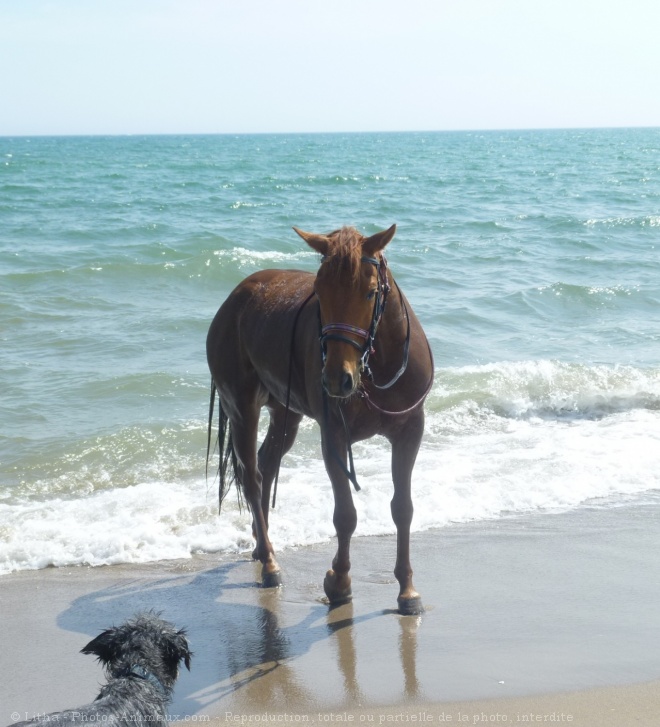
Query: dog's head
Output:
(146,641)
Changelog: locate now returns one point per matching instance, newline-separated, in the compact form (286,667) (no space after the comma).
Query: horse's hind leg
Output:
(404,452)
(244,434)
(272,449)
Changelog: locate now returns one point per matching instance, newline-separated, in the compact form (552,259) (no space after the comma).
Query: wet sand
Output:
(528,618)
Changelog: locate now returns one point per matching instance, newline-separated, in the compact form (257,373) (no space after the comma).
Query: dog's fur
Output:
(141,659)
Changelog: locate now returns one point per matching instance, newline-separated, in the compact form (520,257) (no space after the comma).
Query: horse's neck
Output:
(392,329)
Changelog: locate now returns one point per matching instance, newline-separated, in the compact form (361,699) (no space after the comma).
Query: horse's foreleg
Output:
(244,433)
(404,452)
(337,583)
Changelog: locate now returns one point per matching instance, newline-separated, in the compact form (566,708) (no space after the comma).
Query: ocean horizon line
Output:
(233,134)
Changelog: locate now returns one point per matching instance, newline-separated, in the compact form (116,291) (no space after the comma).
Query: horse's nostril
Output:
(347,382)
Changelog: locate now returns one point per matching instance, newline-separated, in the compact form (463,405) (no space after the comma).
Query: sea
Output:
(532,259)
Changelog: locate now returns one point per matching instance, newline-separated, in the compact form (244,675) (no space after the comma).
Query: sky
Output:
(261,66)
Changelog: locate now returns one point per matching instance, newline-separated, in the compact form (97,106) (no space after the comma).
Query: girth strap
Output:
(288,393)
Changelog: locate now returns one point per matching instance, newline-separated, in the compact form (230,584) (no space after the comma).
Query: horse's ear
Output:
(377,242)
(320,243)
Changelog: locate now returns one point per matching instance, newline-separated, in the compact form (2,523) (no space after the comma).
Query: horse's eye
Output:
(371,294)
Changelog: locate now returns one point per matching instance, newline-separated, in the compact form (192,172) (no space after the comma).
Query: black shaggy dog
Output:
(141,659)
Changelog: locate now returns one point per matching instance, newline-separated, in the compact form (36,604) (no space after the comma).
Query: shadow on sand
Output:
(247,641)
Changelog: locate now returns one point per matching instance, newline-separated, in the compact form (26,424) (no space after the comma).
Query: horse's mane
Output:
(345,253)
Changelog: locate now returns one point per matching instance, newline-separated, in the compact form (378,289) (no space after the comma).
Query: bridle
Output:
(336,331)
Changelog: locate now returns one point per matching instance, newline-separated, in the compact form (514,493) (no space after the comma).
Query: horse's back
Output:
(261,301)
(252,328)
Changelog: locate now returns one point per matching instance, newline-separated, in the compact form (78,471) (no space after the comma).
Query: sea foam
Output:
(501,439)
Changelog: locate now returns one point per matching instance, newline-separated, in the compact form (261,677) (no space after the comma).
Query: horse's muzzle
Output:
(341,386)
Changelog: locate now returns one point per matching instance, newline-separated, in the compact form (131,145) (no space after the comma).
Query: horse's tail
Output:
(228,465)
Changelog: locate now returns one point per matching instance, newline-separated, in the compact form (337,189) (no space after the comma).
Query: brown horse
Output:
(369,374)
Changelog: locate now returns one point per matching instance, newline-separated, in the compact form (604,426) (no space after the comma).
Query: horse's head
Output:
(347,286)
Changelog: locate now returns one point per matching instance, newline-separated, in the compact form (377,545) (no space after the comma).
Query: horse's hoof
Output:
(338,590)
(410,606)
(271,580)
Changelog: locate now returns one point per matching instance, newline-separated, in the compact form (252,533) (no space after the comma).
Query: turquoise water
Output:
(530,257)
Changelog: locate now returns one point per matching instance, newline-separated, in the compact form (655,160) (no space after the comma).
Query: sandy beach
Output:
(547,618)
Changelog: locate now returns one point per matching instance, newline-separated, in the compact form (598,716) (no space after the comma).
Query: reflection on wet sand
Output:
(260,651)
(269,650)
(340,630)
(408,653)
